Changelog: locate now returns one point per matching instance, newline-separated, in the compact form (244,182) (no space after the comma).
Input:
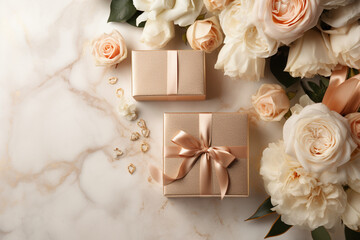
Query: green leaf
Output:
(132,20)
(277,66)
(278,228)
(287,115)
(316,91)
(184,38)
(351,234)
(263,210)
(291,95)
(352,72)
(121,10)
(320,234)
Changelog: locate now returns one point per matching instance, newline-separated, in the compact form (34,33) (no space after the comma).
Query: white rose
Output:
(181,12)
(309,56)
(342,16)
(235,17)
(216,5)
(351,216)
(318,138)
(304,100)
(157,33)
(287,20)
(299,197)
(329,4)
(236,62)
(346,46)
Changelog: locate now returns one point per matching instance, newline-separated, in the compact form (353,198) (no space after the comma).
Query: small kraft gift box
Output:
(206,155)
(168,75)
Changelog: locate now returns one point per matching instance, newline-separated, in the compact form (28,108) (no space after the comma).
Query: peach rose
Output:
(354,121)
(109,49)
(271,102)
(216,5)
(205,34)
(287,20)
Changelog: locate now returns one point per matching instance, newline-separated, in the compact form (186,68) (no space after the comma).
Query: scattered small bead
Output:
(131,168)
(142,124)
(145,147)
(117,153)
(145,132)
(120,92)
(135,136)
(113,80)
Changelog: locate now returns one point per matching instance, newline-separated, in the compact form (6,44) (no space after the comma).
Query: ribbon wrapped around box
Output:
(160,75)
(206,155)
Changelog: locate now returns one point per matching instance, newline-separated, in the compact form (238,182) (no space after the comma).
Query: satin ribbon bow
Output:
(343,96)
(192,149)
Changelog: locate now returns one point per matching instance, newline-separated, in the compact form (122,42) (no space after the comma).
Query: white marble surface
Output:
(59,124)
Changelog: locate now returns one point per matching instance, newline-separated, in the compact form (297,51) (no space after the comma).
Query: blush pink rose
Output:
(109,49)
(271,102)
(287,20)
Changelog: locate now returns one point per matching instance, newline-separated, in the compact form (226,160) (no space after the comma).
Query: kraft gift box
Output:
(168,75)
(190,132)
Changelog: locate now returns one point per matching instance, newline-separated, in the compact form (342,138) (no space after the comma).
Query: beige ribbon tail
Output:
(205,175)
(222,177)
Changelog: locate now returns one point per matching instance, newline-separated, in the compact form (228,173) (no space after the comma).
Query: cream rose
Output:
(346,45)
(236,62)
(287,20)
(354,121)
(309,56)
(342,16)
(109,49)
(271,102)
(157,33)
(299,197)
(205,35)
(236,17)
(318,138)
(216,5)
(351,216)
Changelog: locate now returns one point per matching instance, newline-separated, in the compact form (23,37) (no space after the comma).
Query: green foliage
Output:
(132,20)
(316,91)
(121,10)
(278,228)
(277,66)
(263,210)
(320,234)
(351,234)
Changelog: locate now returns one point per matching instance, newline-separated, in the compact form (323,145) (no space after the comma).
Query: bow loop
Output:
(222,155)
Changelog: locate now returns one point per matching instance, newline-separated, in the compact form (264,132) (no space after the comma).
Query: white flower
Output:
(345,45)
(157,33)
(181,12)
(304,100)
(216,5)
(329,4)
(287,20)
(318,138)
(236,62)
(342,16)
(127,109)
(310,56)
(235,17)
(299,197)
(351,216)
